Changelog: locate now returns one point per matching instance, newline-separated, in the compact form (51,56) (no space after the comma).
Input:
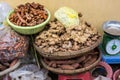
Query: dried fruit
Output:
(29,14)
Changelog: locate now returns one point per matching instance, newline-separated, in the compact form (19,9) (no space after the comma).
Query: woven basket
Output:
(71,71)
(68,54)
(11,68)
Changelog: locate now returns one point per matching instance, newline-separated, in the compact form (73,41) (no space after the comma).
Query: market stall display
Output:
(67,45)
(29,18)
(59,42)
(65,48)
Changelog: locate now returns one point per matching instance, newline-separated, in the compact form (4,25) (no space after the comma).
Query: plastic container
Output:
(83,76)
(29,30)
(116,74)
(106,67)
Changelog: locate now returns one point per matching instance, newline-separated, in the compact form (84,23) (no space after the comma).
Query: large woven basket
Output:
(68,54)
(11,68)
(80,70)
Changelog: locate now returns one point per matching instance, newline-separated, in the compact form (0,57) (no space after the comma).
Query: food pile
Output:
(28,14)
(56,40)
(56,37)
(12,47)
(74,63)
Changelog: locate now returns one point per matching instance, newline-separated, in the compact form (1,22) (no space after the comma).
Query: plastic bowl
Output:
(116,74)
(28,30)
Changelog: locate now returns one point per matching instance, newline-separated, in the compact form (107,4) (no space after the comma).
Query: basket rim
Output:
(80,70)
(11,68)
(68,54)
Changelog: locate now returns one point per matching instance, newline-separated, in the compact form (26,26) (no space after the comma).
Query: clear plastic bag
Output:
(4,10)
(67,16)
(29,72)
(12,44)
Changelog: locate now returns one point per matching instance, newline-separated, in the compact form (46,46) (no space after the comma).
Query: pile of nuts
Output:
(6,65)
(75,63)
(12,46)
(57,38)
(29,14)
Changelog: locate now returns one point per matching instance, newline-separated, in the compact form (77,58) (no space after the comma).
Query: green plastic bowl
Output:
(28,30)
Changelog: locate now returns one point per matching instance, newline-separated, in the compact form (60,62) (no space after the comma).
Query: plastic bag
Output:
(29,72)
(67,16)
(12,44)
(4,10)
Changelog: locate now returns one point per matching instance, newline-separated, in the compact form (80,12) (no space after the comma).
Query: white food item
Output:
(29,72)
(67,16)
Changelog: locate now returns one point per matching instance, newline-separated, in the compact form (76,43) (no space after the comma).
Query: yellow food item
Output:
(67,16)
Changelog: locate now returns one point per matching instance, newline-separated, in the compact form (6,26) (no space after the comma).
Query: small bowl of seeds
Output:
(28,18)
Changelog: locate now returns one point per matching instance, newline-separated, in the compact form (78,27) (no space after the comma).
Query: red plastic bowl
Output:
(116,74)
(107,67)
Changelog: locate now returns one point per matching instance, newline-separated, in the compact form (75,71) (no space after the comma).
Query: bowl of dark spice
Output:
(28,18)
